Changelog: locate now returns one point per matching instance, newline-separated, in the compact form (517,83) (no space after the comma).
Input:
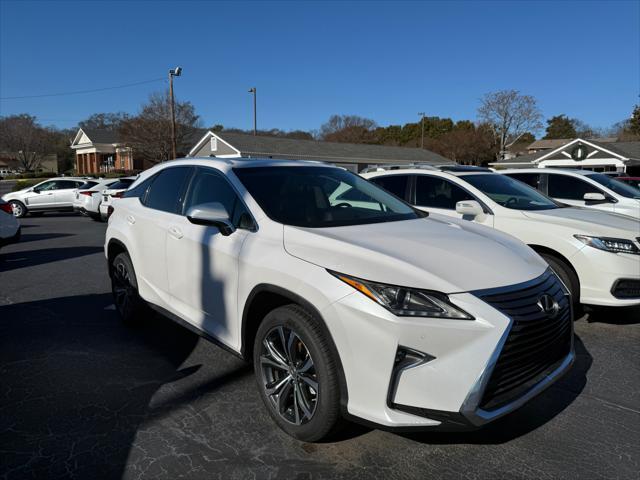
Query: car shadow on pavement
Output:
(77,384)
(539,411)
(14,260)
(614,315)
(34,237)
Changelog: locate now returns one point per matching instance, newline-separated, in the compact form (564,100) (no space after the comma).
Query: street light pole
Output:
(255,110)
(422,122)
(174,72)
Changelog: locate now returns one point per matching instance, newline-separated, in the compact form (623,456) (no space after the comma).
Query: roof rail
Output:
(383,167)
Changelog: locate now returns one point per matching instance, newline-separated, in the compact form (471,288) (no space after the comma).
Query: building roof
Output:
(627,149)
(552,143)
(260,146)
(102,136)
(529,158)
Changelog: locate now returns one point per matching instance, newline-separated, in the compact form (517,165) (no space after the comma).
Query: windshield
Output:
(320,197)
(615,185)
(510,193)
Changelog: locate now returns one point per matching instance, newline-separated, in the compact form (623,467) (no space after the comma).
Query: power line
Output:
(78,92)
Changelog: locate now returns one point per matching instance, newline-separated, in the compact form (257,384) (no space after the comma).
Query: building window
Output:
(214,144)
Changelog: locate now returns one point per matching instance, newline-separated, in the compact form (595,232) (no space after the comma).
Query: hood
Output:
(12,195)
(434,253)
(589,221)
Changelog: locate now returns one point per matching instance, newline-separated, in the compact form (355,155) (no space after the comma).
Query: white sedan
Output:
(597,254)
(112,193)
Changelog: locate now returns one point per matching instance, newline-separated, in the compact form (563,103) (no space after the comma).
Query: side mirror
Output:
(594,198)
(35,190)
(469,208)
(211,215)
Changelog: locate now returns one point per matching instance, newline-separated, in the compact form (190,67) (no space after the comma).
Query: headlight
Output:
(615,245)
(406,302)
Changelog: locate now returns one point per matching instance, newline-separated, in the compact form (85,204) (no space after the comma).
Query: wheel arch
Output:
(558,255)
(114,248)
(265,298)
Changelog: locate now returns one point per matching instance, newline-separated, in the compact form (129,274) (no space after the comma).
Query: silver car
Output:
(52,195)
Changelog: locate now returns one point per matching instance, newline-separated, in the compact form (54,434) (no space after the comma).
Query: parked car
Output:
(9,225)
(582,188)
(89,196)
(595,253)
(633,181)
(113,192)
(52,195)
(373,310)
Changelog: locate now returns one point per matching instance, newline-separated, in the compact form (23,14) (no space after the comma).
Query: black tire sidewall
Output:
(326,416)
(133,310)
(567,276)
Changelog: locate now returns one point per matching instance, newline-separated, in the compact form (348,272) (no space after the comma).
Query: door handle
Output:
(175,232)
(131,219)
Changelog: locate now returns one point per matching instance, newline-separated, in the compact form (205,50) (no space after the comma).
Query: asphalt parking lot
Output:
(84,396)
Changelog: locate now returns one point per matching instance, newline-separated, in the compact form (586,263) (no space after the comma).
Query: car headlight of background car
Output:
(615,245)
(404,301)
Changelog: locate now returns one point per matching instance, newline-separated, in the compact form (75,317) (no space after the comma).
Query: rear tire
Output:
(568,277)
(96,217)
(296,373)
(19,209)
(124,287)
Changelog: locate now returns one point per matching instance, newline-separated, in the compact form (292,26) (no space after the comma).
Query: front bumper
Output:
(445,390)
(600,271)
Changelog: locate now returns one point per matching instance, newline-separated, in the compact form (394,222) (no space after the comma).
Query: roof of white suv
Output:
(568,171)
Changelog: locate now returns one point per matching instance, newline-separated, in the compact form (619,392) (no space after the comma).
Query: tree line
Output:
(506,120)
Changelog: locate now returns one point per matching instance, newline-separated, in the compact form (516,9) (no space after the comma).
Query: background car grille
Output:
(535,344)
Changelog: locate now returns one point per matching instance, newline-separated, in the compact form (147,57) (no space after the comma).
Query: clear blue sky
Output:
(382,60)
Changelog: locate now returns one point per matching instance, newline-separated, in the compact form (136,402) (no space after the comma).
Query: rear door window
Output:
(531,179)
(396,184)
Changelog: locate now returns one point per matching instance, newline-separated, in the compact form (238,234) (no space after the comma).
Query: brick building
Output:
(100,151)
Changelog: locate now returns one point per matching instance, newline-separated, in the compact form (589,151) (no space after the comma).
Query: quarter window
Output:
(570,188)
(208,187)
(164,192)
(438,193)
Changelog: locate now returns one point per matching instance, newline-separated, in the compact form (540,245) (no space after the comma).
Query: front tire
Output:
(568,277)
(296,373)
(124,287)
(19,209)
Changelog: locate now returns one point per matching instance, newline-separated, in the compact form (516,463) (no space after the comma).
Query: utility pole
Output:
(422,122)
(255,110)
(174,72)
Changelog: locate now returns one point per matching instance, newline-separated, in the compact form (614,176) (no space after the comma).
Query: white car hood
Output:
(589,221)
(435,253)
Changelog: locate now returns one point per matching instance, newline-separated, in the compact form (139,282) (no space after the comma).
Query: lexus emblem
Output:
(548,305)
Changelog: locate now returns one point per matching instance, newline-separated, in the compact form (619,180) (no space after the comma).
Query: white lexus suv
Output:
(350,305)
(596,254)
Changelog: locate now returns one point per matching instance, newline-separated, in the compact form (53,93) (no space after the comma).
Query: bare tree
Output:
(104,121)
(22,136)
(149,133)
(510,114)
(349,129)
